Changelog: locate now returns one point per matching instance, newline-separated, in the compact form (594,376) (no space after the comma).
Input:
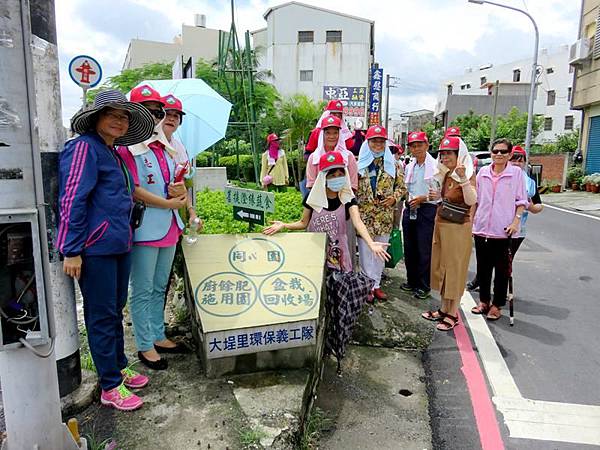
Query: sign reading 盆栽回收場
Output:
(256,293)
(250,199)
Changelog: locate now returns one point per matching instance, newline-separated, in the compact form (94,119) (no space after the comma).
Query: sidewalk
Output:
(584,202)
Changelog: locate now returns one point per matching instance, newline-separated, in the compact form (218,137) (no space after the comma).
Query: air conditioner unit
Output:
(579,52)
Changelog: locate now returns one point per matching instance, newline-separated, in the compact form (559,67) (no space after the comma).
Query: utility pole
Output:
(28,370)
(387,100)
(494,117)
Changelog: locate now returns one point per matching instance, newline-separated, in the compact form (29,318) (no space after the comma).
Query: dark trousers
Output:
(492,257)
(418,238)
(104,282)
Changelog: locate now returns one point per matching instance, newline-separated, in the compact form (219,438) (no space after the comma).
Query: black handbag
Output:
(453,212)
(137,214)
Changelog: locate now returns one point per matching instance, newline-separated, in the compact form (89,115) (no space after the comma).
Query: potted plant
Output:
(555,186)
(595,182)
(587,183)
(573,175)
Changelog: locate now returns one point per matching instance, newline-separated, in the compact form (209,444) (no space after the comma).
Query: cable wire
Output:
(35,352)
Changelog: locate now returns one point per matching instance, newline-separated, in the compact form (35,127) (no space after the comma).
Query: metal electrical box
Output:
(23,244)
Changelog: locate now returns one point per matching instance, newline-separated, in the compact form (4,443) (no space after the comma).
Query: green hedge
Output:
(218,215)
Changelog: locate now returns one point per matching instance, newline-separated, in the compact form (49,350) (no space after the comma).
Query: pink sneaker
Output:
(121,398)
(133,379)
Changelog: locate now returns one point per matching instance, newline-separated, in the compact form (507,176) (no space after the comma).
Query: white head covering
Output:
(365,158)
(339,147)
(159,135)
(317,198)
(463,158)
(345,133)
(431,169)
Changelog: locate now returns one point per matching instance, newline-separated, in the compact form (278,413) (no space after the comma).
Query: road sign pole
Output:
(84,98)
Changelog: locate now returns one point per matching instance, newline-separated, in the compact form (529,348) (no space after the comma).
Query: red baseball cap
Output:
(450,143)
(172,102)
(376,131)
(518,150)
(452,131)
(145,93)
(417,136)
(399,148)
(331,121)
(272,137)
(335,106)
(331,160)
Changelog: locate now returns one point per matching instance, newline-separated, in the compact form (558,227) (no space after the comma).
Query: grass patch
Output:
(315,425)
(87,362)
(251,436)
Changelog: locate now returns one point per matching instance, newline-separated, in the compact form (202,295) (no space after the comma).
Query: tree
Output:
(130,78)
(297,116)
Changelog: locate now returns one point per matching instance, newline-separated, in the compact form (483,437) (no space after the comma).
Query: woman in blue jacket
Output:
(94,234)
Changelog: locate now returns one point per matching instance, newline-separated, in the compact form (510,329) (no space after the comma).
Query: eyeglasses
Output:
(116,116)
(158,113)
(502,151)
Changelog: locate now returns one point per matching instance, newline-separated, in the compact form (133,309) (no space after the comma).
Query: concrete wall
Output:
(141,52)
(482,104)
(554,167)
(588,74)
(560,80)
(201,42)
(330,62)
(213,178)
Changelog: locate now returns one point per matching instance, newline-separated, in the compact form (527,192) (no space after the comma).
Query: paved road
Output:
(552,351)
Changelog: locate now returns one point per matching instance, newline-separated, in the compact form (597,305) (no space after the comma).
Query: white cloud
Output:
(429,31)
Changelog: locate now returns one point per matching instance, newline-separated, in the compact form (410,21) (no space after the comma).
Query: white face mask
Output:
(336,184)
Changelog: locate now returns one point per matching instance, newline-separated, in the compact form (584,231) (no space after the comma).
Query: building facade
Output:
(194,42)
(553,92)
(321,53)
(586,88)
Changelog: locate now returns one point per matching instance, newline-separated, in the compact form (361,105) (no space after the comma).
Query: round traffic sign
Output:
(85,71)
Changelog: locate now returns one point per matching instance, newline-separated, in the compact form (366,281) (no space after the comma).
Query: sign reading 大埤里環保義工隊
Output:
(246,286)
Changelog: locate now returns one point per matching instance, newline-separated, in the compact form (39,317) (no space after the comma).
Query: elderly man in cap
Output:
(419,215)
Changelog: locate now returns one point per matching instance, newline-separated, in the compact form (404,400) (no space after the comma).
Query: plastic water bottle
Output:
(412,213)
(192,237)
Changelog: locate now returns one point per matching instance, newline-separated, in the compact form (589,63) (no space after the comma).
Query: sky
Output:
(421,42)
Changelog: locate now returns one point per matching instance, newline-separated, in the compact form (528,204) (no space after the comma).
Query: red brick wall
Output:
(553,166)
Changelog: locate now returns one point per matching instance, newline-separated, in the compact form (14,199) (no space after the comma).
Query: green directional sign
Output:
(250,199)
(249,215)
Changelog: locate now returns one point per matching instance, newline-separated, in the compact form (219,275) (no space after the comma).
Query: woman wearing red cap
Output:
(380,187)
(334,108)
(274,172)
(452,241)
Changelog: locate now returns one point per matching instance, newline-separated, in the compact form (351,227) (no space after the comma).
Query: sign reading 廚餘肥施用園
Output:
(256,293)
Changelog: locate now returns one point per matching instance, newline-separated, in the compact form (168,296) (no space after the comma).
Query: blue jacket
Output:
(95,199)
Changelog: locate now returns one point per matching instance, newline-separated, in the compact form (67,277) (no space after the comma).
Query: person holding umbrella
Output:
(94,233)
(274,172)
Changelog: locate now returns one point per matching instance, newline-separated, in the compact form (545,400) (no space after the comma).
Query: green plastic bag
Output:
(395,249)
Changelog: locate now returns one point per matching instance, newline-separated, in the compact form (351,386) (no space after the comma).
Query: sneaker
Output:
(422,294)
(121,398)
(133,379)
(407,287)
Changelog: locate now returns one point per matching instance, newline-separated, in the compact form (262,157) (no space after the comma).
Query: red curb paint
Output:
(485,414)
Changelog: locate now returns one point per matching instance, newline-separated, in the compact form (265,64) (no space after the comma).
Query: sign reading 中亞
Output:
(85,71)
(352,97)
(250,199)
(375,93)
(256,293)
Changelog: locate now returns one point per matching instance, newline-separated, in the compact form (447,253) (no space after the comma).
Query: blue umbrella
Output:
(207,113)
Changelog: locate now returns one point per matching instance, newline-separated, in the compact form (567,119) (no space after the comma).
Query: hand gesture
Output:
(275,227)
(415,202)
(178,202)
(434,194)
(193,217)
(378,249)
(513,228)
(177,189)
(72,266)
(388,202)
(460,171)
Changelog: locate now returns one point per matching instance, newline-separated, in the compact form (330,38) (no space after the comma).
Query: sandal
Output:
(433,316)
(447,323)
(482,308)
(494,313)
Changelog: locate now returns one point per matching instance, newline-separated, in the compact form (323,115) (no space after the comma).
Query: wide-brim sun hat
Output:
(141,122)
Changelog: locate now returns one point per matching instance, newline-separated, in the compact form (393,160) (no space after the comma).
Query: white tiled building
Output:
(306,48)
(553,92)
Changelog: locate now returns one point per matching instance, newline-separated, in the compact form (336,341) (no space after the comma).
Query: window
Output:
(551,100)
(550,70)
(306,75)
(516,75)
(548,124)
(465,86)
(333,36)
(449,89)
(483,80)
(306,36)
(568,122)
(569,93)
(571,69)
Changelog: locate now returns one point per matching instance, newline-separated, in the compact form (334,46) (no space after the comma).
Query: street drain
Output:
(405,392)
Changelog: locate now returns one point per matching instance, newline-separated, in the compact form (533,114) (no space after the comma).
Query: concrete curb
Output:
(83,396)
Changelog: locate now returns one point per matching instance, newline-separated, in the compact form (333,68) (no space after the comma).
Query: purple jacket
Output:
(497,205)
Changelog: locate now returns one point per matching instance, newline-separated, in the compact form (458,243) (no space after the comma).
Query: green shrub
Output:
(574,174)
(218,215)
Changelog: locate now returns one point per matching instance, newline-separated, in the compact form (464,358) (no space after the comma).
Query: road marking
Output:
(577,213)
(525,418)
